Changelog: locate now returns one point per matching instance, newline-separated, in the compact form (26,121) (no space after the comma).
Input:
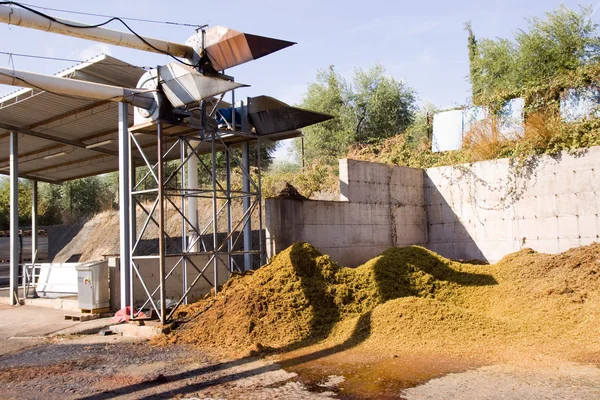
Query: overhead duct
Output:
(270,116)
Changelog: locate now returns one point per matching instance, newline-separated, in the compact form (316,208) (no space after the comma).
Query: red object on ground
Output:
(124,314)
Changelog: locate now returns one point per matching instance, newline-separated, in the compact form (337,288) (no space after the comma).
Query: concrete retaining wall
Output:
(381,207)
(480,211)
(490,209)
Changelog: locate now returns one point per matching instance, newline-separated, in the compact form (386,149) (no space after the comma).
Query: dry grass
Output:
(406,300)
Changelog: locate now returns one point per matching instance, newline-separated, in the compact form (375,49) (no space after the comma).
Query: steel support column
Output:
(246,189)
(34,221)
(14,218)
(124,205)
(161,225)
(192,201)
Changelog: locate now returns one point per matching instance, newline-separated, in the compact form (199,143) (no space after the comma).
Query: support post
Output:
(132,222)
(214,211)
(161,225)
(229,208)
(192,199)
(14,219)
(124,205)
(246,193)
(34,239)
(34,221)
(184,239)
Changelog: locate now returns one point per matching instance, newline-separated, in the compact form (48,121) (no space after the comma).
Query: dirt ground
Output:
(50,363)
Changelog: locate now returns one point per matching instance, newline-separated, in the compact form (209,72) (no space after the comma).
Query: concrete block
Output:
(448,215)
(568,227)
(435,233)
(587,203)
(382,236)
(366,234)
(588,226)
(568,243)
(547,228)
(566,204)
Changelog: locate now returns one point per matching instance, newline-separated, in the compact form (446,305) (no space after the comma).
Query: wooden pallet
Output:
(95,310)
(81,317)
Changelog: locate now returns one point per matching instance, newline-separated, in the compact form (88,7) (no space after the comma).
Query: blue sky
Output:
(422,43)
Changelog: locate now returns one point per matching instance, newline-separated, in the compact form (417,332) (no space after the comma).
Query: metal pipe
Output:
(124,205)
(13,15)
(14,219)
(72,87)
(161,226)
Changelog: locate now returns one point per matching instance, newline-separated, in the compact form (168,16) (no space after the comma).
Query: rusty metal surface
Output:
(227,48)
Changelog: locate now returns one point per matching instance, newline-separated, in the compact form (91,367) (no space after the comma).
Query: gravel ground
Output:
(112,368)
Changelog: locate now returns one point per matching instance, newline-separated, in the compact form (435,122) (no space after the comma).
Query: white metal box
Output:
(92,285)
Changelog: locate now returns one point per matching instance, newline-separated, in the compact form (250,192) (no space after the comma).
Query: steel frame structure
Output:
(156,192)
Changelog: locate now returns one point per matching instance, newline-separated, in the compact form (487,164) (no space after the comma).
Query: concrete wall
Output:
(480,211)
(490,209)
(381,207)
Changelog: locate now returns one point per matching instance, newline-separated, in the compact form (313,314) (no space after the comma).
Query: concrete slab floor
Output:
(25,326)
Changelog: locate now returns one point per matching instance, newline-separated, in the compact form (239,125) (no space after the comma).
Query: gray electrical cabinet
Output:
(92,285)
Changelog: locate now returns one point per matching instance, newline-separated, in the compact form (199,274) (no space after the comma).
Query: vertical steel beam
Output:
(34,221)
(34,238)
(192,183)
(262,256)
(246,191)
(229,207)
(184,242)
(124,205)
(132,221)
(161,225)
(215,213)
(14,219)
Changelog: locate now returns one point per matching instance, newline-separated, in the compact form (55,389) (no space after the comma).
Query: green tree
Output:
(373,107)
(382,106)
(325,141)
(553,54)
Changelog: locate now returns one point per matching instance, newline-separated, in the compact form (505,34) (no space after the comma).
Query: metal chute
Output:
(184,85)
(270,116)
(227,48)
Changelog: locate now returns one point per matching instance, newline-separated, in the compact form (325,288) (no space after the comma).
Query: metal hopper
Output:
(184,85)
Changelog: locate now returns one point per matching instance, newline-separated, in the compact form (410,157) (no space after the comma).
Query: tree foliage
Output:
(557,52)
(372,107)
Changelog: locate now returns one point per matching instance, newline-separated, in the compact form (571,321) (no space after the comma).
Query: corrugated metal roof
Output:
(38,114)
(85,120)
